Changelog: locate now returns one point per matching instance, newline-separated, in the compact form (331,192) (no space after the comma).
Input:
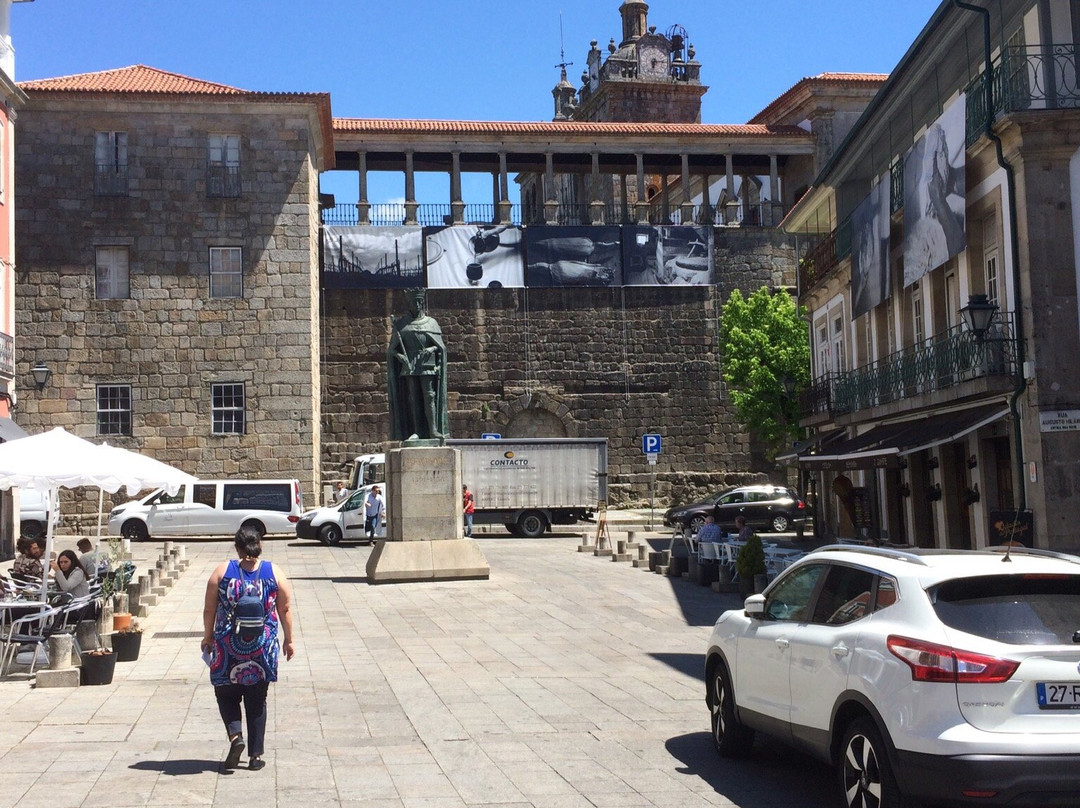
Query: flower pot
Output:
(97,667)
(121,621)
(127,645)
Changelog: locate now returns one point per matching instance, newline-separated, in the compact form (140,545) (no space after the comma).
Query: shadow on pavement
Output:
(340,579)
(771,775)
(693,665)
(178,768)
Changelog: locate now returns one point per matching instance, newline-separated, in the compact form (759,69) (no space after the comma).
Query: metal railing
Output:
(762,214)
(941,362)
(110,179)
(7,356)
(223,180)
(824,256)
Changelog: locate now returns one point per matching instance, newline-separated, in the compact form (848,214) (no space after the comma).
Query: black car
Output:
(766,507)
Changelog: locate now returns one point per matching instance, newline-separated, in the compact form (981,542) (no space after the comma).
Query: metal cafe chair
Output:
(32,630)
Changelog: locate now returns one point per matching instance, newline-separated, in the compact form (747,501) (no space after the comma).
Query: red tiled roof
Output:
(555,128)
(141,80)
(834,79)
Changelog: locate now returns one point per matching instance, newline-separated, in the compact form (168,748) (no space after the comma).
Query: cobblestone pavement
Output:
(566,681)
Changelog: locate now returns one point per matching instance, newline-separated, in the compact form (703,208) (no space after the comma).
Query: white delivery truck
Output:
(526,484)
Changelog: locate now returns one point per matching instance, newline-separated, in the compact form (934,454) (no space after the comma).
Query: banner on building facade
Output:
(935,194)
(367,257)
(870,279)
(671,255)
(474,257)
(573,256)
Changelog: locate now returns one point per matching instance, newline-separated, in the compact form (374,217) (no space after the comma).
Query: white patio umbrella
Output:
(57,459)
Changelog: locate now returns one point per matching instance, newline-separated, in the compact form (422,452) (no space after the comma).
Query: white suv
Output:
(946,676)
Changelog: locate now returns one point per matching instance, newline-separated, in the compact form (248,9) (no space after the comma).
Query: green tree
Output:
(764,345)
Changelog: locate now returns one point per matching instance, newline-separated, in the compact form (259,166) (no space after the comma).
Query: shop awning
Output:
(801,447)
(9,430)
(884,446)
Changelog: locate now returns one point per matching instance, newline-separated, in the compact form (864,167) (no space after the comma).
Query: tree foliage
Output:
(764,342)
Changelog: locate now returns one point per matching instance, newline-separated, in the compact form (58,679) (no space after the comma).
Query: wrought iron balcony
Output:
(110,179)
(824,256)
(946,360)
(222,180)
(7,356)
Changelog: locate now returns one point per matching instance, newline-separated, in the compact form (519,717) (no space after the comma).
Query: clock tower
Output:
(648,77)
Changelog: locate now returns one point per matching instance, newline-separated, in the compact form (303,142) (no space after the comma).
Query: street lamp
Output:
(787,381)
(977,314)
(41,374)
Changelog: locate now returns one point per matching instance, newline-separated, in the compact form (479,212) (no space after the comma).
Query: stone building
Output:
(946,408)
(168,268)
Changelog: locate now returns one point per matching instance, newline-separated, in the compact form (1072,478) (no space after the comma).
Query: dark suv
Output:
(766,507)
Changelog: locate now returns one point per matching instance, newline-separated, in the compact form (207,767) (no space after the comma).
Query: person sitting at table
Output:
(28,566)
(70,577)
(93,562)
(745,531)
(710,531)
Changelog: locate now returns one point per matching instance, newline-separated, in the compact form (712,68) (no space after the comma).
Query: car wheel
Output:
(134,530)
(531,524)
(864,770)
(330,535)
(32,529)
(780,523)
(729,736)
(696,522)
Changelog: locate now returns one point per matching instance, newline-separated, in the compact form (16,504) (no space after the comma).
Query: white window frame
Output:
(226,416)
(918,332)
(112,272)
(112,417)
(226,272)
(991,260)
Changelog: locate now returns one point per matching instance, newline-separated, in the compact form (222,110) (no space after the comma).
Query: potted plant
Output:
(749,563)
(114,585)
(97,667)
(127,642)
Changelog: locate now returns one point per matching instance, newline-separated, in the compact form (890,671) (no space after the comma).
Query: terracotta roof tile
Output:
(133,79)
(555,128)
(833,79)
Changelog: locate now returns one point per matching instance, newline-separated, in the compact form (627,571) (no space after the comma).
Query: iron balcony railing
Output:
(948,359)
(823,256)
(222,180)
(110,179)
(7,356)
(763,214)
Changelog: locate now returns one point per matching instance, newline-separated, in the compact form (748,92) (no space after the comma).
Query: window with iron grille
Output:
(226,272)
(114,409)
(112,274)
(227,407)
(110,164)
(223,166)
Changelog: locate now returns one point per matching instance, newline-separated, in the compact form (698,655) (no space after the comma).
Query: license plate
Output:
(1058,695)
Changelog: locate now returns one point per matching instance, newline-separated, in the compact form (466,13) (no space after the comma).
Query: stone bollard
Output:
(168,547)
(60,672)
(181,555)
(621,552)
(585,546)
(172,570)
(86,635)
(135,606)
(631,541)
(642,560)
(156,589)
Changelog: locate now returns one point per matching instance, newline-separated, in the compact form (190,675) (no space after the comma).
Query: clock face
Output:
(652,62)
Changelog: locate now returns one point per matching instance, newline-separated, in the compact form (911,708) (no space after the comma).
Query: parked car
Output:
(766,507)
(33,513)
(211,508)
(945,677)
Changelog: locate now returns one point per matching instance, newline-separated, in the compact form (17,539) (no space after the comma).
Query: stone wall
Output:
(170,340)
(614,363)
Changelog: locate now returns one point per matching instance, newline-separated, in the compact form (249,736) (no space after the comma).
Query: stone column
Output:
(551,204)
(686,209)
(625,199)
(363,208)
(774,193)
(731,208)
(642,212)
(411,205)
(706,216)
(665,200)
(596,204)
(504,191)
(457,205)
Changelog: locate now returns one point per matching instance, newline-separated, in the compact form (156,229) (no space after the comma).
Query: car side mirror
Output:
(754,606)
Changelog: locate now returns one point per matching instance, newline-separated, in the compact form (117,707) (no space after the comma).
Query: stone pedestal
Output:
(60,672)
(423,521)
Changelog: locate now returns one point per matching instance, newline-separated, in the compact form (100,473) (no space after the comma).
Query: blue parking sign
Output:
(650,444)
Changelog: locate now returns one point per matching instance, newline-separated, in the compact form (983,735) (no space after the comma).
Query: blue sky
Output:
(469,60)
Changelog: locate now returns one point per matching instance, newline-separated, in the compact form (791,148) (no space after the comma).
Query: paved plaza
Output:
(565,681)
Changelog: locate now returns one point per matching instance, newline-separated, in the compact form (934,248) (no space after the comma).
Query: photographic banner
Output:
(473,257)
(934,194)
(366,257)
(870,251)
(573,256)
(667,255)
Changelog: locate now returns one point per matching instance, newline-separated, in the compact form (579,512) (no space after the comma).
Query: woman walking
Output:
(247,600)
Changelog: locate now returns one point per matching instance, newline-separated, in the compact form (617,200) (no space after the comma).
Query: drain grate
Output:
(178,635)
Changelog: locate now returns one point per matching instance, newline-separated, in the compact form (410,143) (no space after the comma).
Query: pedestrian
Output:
(374,510)
(341,492)
(468,507)
(247,601)
(745,532)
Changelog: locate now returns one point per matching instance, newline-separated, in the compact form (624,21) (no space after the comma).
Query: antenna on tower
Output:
(563,64)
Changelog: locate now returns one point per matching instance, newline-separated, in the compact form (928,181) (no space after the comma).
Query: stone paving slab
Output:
(564,681)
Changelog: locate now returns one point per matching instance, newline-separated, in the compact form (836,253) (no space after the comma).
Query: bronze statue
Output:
(416,376)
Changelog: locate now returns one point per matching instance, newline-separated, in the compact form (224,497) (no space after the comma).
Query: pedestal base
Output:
(440,560)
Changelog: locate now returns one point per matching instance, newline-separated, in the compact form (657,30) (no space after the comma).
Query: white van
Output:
(211,508)
(345,520)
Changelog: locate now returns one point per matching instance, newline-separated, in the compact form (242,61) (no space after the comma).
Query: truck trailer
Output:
(525,484)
